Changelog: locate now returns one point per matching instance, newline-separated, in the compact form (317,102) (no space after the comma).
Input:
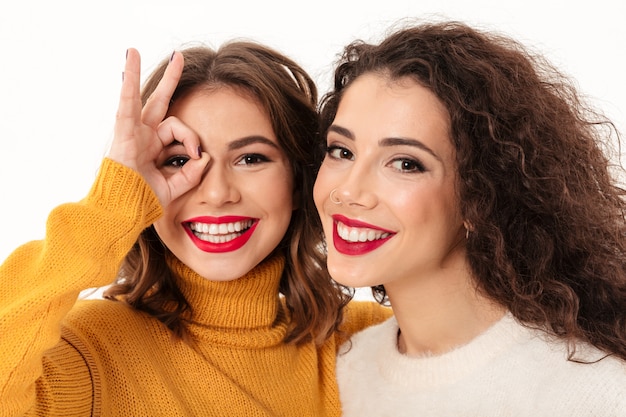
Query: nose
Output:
(218,186)
(358,186)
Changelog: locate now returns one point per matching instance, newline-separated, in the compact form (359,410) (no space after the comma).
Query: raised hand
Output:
(141,134)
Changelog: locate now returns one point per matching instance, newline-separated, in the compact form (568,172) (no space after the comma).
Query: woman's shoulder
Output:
(100,321)
(597,387)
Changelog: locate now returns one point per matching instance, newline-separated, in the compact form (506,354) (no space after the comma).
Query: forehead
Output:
(224,119)
(223,107)
(376,105)
(220,92)
(380,86)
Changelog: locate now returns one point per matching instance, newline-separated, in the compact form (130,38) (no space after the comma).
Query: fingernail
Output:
(127,54)
(199,151)
(172,57)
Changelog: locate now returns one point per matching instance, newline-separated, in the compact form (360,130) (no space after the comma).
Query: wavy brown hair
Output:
(535,177)
(289,97)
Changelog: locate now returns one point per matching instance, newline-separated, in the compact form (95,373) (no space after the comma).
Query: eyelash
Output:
(415,165)
(331,150)
(408,165)
(176,161)
(256,157)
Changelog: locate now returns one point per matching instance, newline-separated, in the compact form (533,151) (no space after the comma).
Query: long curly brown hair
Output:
(536,182)
(289,96)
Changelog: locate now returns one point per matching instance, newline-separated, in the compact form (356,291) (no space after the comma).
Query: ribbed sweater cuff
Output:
(121,189)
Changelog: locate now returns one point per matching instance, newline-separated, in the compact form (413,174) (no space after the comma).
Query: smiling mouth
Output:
(359,234)
(220,232)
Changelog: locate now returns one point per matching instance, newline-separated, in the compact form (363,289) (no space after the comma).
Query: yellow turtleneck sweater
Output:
(102,358)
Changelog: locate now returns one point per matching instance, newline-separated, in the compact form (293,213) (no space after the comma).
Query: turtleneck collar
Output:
(239,312)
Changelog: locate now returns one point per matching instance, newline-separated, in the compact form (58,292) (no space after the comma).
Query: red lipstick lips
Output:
(357,248)
(238,232)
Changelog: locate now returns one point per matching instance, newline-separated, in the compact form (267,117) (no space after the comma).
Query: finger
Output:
(128,114)
(188,176)
(156,107)
(129,106)
(173,129)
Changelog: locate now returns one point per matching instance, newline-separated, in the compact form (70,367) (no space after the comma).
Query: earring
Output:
(467,230)
(334,200)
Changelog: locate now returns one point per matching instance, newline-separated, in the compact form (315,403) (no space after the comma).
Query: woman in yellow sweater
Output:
(202,214)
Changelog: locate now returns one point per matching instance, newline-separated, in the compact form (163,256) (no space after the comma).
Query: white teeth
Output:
(359,234)
(219,233)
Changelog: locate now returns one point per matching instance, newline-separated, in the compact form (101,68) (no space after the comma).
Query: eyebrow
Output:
(386,141)
(239,143)
(248,140)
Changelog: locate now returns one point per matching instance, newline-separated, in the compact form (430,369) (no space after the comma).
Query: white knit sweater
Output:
(509,370)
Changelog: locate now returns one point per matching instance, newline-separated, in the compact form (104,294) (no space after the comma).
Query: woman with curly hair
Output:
(469,185)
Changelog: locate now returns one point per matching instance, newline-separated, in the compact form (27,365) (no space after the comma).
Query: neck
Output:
(243,313)
(436,314)
(251,301)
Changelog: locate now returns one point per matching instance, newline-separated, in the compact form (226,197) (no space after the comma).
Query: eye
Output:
(253,159)
(337,152)
(176,161)
(407,165)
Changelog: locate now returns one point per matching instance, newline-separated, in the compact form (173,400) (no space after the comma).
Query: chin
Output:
(348,279)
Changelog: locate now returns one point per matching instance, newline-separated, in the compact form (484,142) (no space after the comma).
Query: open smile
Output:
(220,234)
(352,237)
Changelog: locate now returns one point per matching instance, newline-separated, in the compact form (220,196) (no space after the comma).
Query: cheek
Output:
(279,208)
(287,189)
(283,201)
(317,196)
(320,189)
(423,205)
(445,209)
(170,222)
(164,224)
(169,213)
(163,231)
(406,201)
(276,192)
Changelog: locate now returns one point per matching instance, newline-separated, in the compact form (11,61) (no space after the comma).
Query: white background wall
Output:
(61,64)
